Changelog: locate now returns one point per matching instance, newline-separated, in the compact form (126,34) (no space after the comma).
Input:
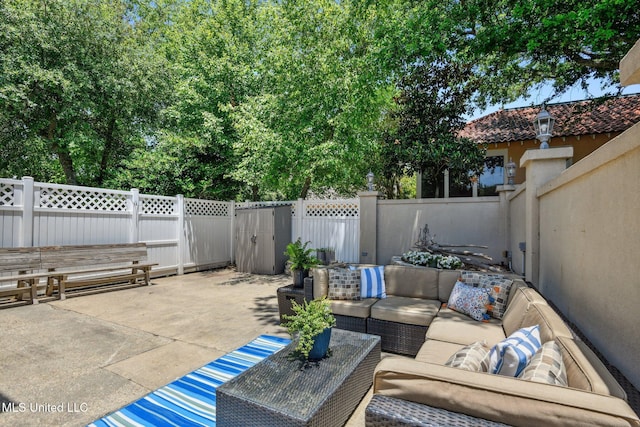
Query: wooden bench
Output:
(65,267)
(78,266)
(19,264)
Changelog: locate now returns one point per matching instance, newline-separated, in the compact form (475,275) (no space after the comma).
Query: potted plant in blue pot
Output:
(311,322)
(301,261)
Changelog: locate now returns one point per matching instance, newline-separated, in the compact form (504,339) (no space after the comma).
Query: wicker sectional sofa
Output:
(414,298)
(422,390)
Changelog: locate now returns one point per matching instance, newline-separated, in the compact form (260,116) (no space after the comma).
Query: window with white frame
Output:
(492,176)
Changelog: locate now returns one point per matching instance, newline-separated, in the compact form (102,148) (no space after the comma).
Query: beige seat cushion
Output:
(438,352)
(354,308)
(413,311)
(450,326)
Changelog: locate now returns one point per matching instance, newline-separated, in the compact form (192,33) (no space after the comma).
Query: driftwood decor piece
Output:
(426,242)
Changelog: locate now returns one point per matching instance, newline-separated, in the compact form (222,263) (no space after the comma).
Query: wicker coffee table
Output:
(276,392)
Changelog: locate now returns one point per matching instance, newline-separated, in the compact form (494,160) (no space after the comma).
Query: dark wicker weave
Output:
(286,294)
(276,392)
(308,288)
(349,323)
(385,411)
(398,337)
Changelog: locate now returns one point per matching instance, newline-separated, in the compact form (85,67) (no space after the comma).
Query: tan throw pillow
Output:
(546,366)
(344,284)
(472,357)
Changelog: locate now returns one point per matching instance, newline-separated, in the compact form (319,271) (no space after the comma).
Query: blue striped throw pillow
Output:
(372,282)
(510,356)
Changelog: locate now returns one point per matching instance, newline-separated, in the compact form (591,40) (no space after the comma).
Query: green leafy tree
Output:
(212,48)
(432,99)
(77,90)
(515,46)
(311,127)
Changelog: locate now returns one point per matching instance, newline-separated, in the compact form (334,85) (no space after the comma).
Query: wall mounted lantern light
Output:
(511,171)
(370,181)
(543,124)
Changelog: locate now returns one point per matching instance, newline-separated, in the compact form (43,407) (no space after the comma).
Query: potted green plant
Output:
(312,321)
(301,261)
(325,255)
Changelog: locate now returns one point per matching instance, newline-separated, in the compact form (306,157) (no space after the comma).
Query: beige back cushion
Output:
(520,298)
(415,282)
(320,282)
(585,371)
(446,280)
(551,324)
(518,283)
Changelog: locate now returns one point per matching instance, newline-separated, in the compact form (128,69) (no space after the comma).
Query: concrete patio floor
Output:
(67,363)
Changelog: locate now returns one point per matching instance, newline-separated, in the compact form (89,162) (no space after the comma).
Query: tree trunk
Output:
(63,154)
(305,188)
(254,193)
(109,144)
(67,165)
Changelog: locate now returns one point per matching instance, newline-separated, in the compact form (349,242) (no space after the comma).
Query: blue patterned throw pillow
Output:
(372,282)
(510,356)
(471,301)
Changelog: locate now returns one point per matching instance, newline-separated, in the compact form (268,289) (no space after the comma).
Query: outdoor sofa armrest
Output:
(496,397)
(308,288)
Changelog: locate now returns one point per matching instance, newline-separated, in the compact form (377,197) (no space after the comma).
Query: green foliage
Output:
(256,99)
(77,90)
(514,46)
(310,319)
(432,98)
(300,256)
(178,165)
(310,127)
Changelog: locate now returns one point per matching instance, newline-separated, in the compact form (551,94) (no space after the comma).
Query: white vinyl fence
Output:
(332,224)
(181,234)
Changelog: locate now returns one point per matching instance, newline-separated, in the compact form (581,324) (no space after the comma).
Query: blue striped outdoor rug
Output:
(191,400)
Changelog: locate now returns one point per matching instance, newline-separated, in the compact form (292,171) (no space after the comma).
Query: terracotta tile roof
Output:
(572,118)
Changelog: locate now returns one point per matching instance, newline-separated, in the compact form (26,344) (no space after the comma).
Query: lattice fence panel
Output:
(206,208)
(333,209)
(6,195)
(271,203)
(81,199)
(158,206)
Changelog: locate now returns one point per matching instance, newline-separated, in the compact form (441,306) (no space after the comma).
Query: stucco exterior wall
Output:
(517,218)
(590,248)
(456,221)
